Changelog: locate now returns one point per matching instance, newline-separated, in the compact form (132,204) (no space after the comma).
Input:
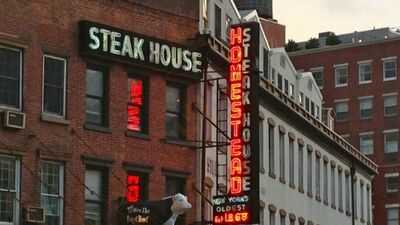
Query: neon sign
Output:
(135,105)
(133,189)
(241,204)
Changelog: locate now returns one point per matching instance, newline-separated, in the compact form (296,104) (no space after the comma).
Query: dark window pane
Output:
(94,83)
(173,99)
(172,125)
(94,109)
(54,75)
(9,77)
(217,20)
(53,100)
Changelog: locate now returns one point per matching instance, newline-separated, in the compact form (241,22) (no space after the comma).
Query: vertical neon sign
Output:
(133,189)
(241,204)
(135,105)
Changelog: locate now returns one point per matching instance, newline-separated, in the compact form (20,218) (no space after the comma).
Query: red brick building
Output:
(360,81)
(96,121)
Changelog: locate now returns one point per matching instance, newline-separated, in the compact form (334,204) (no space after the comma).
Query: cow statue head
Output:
(180,204)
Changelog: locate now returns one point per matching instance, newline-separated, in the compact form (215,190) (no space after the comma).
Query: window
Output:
(340,187)
(137,106)
(318,176)
(282,156)
(175,124)
(333,186)
(301,167)
(96,96)
(9,190)
(326,182)
(391,141)
(286,87)
(291,90)
(312,108)
(176,185)
(273,78)
(271,218)
(95,197)
(280,82)
(362,200)
(364,73)
(307,104)
(318,75)
(228,23)
(309,173)
(217,19)
(342,110)
(317,112)
(301,98)
(283,220)
(271,152)
(389,69)
(10,77)
(392,182)
(341,75)
(366,107)
(367,143)
(52,191)
(283,61)
(291,162)
(137,187)
(54,76)
(347,186)
(265,64)
(261,141)
(392,216)
(390,105)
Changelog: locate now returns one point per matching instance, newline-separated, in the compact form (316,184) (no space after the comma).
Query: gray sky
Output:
(305,19)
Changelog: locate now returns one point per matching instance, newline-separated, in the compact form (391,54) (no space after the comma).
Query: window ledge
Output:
(390,116)
(389,79)
(96,128)
(53,119)
(365,82)
(366,118)
(180,142)
(143,136)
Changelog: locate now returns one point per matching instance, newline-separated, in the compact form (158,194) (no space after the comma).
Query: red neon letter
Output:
(236,54)
(236,147)
(236,91)
(236,112)
(236,185)
(235,125)
(236,165)
(236,72)
(236,35)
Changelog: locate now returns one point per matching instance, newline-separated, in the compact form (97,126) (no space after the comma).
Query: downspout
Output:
(352,173)
(203,137)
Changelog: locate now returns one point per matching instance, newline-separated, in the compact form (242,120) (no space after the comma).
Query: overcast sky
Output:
(306,18)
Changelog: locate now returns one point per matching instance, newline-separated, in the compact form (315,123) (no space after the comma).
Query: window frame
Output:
(20,83)
(271,150)
(105,116)
(364,63)
(218,32)
(366,134)
(390,95)
(17,191)
(104,185)
(338,67)
(144,192)
(321,71)
(345,117)
(64,59)
(60,196)
(182,115)
(282,157)
(388,60)
(371,110)
(385,133)
(389,176)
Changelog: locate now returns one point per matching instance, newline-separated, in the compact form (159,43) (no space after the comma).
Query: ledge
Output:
(272,175)
(97,128)
(179,142)
(134,134)
(53,119)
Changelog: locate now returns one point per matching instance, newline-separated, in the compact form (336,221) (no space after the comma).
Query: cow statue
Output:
(164,212)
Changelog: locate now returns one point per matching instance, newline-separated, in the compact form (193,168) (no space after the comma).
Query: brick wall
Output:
(44,26)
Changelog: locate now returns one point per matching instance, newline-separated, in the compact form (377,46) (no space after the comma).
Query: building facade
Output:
(359,80)
(107,89)
(308,173)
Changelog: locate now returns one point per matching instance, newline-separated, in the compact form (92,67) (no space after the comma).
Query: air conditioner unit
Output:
(34,215)
(14,119)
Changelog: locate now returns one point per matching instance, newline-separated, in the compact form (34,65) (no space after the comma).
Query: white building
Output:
(306,168)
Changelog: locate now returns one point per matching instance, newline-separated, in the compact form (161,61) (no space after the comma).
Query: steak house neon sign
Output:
(241,205)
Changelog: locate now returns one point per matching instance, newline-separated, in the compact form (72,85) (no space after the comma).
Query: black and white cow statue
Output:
(164,212)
